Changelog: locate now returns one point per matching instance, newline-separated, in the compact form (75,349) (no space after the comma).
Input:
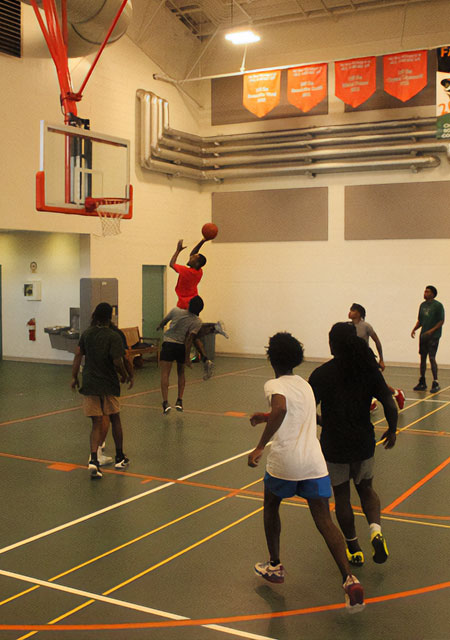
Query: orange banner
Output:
(355,80)
(405,74)
(261,92)
(307,86)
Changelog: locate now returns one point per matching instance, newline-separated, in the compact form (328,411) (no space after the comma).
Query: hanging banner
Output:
(355,80)
(405,74)
(261,92)
(443,92)
(307,86)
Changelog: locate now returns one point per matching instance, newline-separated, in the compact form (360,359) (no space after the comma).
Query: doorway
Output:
(1,328)
(153,277)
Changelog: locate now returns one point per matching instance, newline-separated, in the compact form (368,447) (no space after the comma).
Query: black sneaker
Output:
(166,407)
(179,404)
(121,462)
(435,387)
(421,385)
(94,469)
(380,550)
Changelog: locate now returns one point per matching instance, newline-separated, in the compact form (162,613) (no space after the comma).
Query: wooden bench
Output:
(138,346)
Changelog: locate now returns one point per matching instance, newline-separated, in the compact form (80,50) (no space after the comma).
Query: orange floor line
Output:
(416,486)
(419,515)
(226,620)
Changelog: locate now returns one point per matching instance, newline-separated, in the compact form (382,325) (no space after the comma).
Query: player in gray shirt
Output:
(364,330)
(184,327)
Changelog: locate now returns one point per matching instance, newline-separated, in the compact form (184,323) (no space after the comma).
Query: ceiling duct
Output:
(369,146)
(89,21)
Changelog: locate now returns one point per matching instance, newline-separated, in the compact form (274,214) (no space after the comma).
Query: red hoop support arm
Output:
(56,39)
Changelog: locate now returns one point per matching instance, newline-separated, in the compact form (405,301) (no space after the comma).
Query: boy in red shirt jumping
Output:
(188,276)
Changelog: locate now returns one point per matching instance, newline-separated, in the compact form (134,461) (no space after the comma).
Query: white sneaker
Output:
(208,367)
(102,459)
(219,327)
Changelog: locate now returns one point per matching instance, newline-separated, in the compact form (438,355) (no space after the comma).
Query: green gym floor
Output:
(166,548)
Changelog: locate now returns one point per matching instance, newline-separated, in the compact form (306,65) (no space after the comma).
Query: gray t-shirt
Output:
(364,330)
(182,323)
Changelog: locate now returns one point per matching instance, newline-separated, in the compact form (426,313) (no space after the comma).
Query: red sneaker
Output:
(354,595)
(400,398)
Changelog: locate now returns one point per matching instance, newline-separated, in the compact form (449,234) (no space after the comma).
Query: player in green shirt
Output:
(431,318)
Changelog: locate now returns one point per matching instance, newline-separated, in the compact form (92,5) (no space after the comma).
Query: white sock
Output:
(374,528)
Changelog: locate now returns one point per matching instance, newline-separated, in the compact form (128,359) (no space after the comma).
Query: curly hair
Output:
(284,351)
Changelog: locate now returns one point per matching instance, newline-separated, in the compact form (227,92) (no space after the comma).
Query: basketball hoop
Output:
(110,222)
(110,219)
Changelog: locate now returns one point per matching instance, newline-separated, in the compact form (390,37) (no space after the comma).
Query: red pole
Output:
(100,51)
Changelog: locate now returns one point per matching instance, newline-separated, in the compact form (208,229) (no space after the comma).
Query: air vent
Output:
(10,32)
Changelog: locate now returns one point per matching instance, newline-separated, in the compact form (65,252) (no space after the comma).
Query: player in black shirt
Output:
(345,386)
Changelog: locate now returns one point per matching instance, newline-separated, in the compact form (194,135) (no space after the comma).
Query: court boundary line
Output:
(116,505)
(416,486)
(200,621)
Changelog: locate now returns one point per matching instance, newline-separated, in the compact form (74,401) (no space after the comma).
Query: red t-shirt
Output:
(186,288)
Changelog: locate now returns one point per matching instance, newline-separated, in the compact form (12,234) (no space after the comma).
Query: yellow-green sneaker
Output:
(380,550)
(356,559)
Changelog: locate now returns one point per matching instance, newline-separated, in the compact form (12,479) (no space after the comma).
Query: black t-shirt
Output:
(347,432)
(100,346)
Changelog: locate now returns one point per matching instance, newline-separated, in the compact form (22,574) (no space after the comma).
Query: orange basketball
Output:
(209,230)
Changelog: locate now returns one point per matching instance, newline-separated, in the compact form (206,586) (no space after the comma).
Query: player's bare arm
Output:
(274,421)
(437,326)
(76,368)
(198,246)
(178,250)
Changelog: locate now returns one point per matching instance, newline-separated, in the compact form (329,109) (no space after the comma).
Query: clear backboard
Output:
(83,172)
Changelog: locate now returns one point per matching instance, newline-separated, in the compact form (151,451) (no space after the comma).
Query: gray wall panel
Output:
(276,215)
(397,211)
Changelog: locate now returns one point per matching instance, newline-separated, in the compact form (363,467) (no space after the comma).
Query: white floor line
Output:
(111,507)
(429,399)
(124,604)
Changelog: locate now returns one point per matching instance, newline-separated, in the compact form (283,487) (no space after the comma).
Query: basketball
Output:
(209,230)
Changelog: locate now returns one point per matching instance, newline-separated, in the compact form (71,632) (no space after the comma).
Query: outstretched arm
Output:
(198,246)
(274,420)
(178,250)
(376,339)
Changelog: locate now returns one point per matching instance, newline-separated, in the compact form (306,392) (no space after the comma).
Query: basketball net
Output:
(110,222)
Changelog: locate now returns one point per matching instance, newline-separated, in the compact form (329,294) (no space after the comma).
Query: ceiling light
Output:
(242,37)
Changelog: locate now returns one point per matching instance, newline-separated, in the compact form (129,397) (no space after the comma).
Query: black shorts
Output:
(171,351)
(428,345)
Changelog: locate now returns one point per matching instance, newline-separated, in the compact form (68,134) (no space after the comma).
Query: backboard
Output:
(78,165)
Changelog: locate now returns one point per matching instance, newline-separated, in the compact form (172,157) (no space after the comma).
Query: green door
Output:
(1,330)
(152,299)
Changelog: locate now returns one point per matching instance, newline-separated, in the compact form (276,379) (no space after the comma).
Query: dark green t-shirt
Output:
(430,313)
(100,346)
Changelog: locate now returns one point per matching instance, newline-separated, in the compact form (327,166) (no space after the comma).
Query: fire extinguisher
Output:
(32,329)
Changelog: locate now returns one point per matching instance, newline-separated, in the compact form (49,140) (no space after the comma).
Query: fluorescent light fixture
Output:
(242,37)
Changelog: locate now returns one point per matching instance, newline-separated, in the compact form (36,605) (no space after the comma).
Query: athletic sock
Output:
(94,456)
(119,453)
(274,563)
(352,544)
(374,528)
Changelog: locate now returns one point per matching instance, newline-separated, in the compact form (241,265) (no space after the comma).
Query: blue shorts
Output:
(308,489)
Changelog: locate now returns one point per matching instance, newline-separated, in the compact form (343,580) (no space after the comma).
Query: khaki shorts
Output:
(357,471)
(100,405)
